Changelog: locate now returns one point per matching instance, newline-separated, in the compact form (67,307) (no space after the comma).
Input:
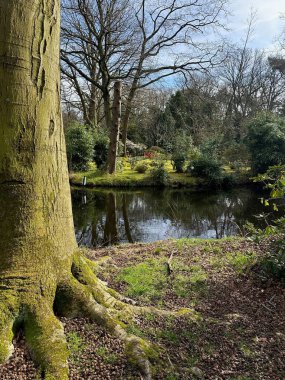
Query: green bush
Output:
(178,163)
(160,175)
(266,142)
(212,148)
(183,150)
(79,146)
(101,147)
(207,168)
(157,149)
(236,155)
(141,168)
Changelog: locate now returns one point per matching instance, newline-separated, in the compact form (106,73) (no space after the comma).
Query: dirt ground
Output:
(238,331)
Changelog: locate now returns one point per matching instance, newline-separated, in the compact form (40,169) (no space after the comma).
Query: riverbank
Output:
(238,332)
(128,177)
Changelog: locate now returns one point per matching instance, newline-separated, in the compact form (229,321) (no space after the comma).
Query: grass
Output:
(238,260)
(126,176)
(108,358)
(148,280)
(246,350)
(76,345)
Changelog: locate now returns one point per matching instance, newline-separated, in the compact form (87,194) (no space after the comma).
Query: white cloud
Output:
(268,24)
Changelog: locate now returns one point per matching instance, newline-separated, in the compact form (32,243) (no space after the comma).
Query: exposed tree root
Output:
(78,293)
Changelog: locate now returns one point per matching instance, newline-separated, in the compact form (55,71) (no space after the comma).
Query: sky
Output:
(268,24)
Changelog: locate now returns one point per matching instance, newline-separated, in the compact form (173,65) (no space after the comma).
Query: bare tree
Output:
(139,42)
(97,49)
(170,42)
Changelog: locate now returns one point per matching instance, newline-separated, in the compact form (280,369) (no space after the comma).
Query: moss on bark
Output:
(40,266)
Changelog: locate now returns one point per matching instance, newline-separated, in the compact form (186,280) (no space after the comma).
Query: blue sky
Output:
(268,24)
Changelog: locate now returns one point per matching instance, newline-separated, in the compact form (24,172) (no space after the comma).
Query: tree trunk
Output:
(41,268)
(125,126)
(115,129)
(37,239)
(127,114)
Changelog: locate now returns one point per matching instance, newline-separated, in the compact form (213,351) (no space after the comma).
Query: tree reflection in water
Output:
(107,217)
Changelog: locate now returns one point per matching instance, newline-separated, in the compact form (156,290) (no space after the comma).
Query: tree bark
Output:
(115,129)
(41,268)
(37,240)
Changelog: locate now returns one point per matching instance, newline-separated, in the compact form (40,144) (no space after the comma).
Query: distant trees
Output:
(107,41)
(140,43)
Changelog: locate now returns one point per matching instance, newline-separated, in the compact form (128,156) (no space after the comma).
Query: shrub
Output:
(207,168)
(79,146)
(178,163)
(101,147)
(212,148)
(157,149)
(211,171)
(141,168)
(160,175)
(266,142)
(154,164)
(237,155)
(183,150)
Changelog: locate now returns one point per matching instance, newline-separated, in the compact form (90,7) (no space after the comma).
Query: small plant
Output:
(160,175)
(79,146)
(100,151)
(75,344)
(141,168)
(273,264)
(178,162)
(108,357)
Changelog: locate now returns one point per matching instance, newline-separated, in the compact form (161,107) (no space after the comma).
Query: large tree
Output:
(41,268)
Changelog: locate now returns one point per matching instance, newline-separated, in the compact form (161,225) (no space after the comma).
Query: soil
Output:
(239,335)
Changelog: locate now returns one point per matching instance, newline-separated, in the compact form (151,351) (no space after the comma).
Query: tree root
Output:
(79,293)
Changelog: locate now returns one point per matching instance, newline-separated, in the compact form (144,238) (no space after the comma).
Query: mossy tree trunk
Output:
(41,268)
(37,239)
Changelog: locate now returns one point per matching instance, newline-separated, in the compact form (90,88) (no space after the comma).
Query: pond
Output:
(107,217)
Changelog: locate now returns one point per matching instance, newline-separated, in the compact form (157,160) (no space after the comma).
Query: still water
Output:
(106,217)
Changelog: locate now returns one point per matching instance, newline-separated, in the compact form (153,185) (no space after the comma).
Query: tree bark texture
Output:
(115,129)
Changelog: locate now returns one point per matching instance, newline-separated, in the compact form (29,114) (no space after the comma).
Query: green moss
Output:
(134,330)
(46,341)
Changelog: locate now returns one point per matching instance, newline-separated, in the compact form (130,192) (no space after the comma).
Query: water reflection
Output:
(107,217)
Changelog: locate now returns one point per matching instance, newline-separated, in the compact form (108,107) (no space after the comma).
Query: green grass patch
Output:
(76,345)
(168,335)
(246,350)
(108,357)
(149,280)
(146,280)
(241,260)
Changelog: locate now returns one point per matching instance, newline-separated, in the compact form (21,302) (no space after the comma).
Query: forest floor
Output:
(238,332)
